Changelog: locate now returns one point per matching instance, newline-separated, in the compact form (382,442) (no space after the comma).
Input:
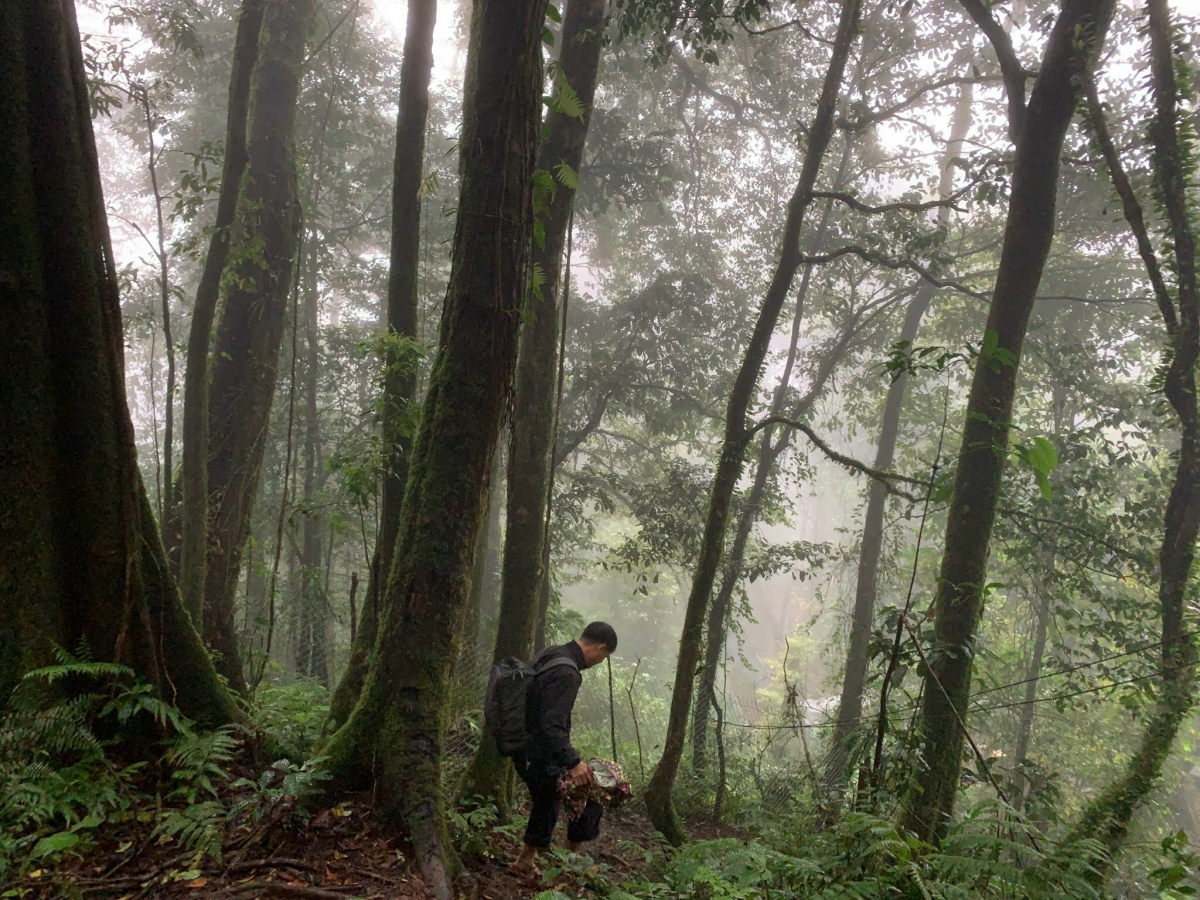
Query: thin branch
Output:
(874,118)
(1010,65)
(1129,203)
(856,204)
(879,259)
(885,478)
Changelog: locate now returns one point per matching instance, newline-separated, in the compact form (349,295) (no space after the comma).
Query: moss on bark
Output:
(398,722)
(81,558)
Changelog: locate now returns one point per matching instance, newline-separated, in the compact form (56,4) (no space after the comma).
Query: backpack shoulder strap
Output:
(555,662)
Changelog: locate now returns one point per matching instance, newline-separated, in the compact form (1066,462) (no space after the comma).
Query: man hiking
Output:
(549,752)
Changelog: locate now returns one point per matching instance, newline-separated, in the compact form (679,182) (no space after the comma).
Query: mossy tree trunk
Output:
(395,730)
(862,617)
(1107,818)
(529,458)
(400,373)
(255,289)
(81,558)
(193,478)
(729,466)
(1029,231)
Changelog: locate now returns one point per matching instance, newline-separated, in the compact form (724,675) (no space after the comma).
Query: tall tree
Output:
(193,487)
(729,466)
(255,289)
(529,458)
(400,373)
(1029,230)
(81,559)
(395,730)
(871,545)
(1108,816)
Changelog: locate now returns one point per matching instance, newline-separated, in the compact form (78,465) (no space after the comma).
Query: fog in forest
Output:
(840,356)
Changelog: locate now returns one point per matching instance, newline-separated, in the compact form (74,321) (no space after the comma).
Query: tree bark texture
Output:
(193,480)
(400,380)
(871,546)
(729,467)
(255,289)
(1029,231)
(529,458)
(1107,818)
(81,558)
(396,727)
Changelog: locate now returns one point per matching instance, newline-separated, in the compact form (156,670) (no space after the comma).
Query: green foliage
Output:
(293,713)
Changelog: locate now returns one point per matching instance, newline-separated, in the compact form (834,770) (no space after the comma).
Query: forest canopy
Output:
(841,356)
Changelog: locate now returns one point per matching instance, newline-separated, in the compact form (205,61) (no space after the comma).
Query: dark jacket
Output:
(548,707)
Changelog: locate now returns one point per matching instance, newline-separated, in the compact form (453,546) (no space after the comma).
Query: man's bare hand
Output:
(581,774)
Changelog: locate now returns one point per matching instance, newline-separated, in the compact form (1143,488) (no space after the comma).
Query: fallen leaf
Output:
(197,882)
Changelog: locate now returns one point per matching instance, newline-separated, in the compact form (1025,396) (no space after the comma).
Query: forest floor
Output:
(345,853)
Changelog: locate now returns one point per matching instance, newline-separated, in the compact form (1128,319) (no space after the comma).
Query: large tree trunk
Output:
(400,374)
(1108,816)
(80,555)
(871,547)
(1028,234)
(729,466)
(193,541)
(529,459)
(245,356)
(396,728)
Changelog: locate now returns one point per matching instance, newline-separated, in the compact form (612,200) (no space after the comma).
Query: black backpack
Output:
(504,706)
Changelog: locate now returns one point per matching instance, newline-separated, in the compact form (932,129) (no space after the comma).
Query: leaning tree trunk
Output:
(256,284)
(1028,234)
(729,467)
(193,477)
(396,729)
(871,547)
(400,373)
(81,559)
(1107,817)
(529,458)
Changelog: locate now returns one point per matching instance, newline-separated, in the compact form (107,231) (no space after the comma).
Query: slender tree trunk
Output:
(403,318)
(193,539)
(768,452)
(532,442)
(80,553)
(871,548)
(1041,627)
(249,333)
(729,466)
(396,728)
(166,500)
(1107,818)
(312,649)
(1028,234)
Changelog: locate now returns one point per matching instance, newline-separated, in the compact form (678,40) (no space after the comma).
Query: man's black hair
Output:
(601,633)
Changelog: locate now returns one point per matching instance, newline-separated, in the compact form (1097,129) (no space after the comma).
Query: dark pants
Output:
(542,781)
